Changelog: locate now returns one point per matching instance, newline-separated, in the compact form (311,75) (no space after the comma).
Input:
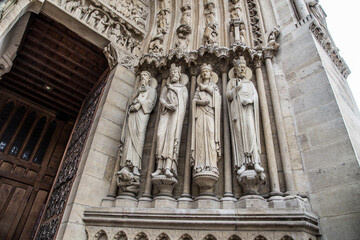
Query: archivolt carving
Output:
(120,236)
(163,236)
(141,236)
(185,237)
(255,22)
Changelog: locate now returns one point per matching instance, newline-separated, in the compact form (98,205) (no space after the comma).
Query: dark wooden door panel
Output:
(32,147)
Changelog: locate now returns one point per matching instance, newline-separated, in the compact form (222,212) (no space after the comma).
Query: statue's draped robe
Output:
(170,124)
(244,120)
(136,122)
(205,144)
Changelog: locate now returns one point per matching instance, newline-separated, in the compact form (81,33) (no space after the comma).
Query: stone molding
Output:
(296,219)
(324,39)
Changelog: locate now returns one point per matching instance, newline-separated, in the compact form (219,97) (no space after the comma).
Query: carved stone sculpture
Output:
(132,139)
(244,122)
(103,24)
(235,9)
(94,18)
(210,32)
(274,34)
(185,14)
(205,139)
(173,101)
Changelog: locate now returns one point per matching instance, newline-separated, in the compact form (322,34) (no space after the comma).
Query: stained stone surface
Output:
(321,120)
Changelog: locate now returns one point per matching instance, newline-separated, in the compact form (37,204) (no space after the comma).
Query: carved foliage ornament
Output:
(327,44)
(255,22)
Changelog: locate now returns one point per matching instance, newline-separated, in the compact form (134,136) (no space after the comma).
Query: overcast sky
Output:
(343,18)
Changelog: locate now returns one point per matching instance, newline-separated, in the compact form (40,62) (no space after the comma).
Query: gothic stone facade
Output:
(304,183)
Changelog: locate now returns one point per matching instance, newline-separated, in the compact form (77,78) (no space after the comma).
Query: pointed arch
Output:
(260,237)
(141,236)
(185,237)
(286,237)
(163,236)
(234,237)
(209,237)
(121,236)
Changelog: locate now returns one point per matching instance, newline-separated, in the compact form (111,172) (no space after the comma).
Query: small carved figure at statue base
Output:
(251,180)
(128,179)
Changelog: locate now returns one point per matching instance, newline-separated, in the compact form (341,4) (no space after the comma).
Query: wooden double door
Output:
(32,143)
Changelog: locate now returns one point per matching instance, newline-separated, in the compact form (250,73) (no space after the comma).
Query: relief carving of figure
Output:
(156,44)
(210,34)
(209,12)
(94,18)
(103,24)
(186,14)
(115,33)
(206,107)
(139,108)
(173,102)
(81,10)
(244,118)
(274,34)
(235,9)
(242,32)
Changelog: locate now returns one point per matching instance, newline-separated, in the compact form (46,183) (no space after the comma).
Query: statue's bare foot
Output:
(168,173)
(156,173)
(241,170)
(258,168)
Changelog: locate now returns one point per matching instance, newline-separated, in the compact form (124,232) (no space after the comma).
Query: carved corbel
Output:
(115,56)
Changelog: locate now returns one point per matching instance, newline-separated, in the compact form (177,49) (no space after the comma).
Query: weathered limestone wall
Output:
(326,122)
(98,160)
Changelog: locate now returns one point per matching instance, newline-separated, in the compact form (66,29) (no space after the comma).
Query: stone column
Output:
(269,144)
(147,197)
(284,149)
(186,196)
(301,8)
(228,201)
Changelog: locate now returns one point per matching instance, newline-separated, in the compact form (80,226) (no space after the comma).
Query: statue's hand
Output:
(238,87)
(171,107)
(202,103)
(135,107)
(246,102)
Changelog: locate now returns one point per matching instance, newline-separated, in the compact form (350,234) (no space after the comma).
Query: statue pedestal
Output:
(206,181)
(252,201)
(251,181)
(164,184)
(125,201)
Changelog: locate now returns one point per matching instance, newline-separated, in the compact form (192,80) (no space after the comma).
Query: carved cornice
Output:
(216,56)
(325,41)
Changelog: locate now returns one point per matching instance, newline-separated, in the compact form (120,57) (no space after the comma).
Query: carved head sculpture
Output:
(206,70)
(175,73)
(145,77)
(240,67)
